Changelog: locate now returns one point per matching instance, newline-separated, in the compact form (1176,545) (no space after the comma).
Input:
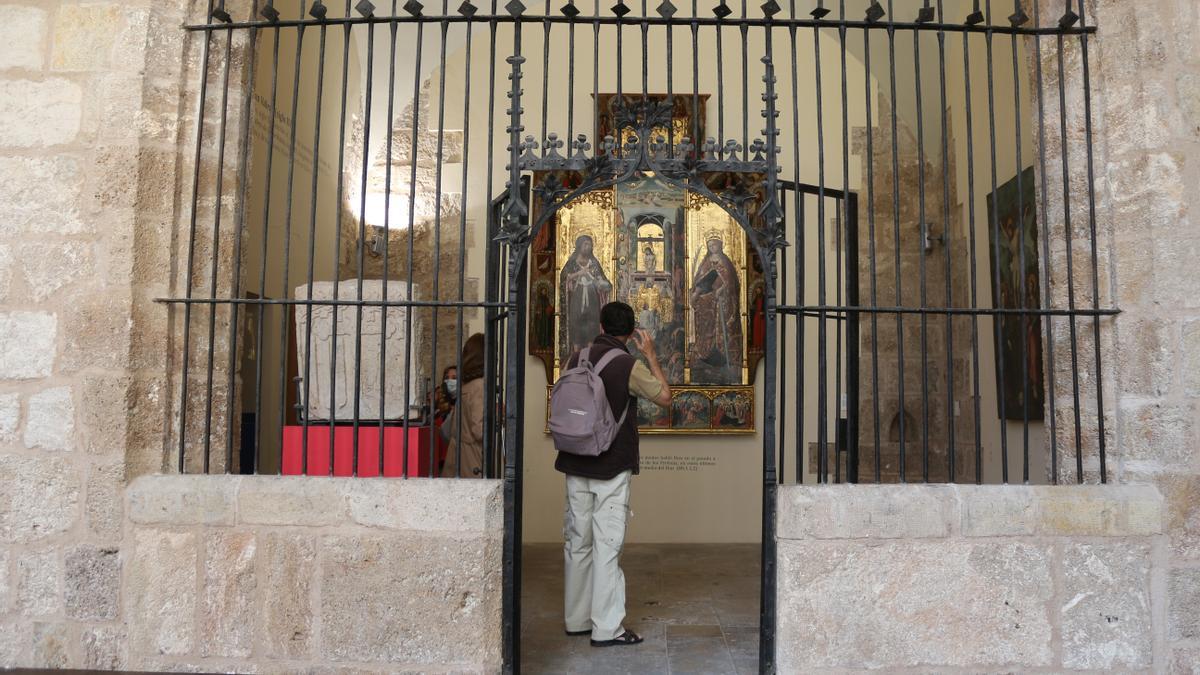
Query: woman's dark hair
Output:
(473,355)
(616,318)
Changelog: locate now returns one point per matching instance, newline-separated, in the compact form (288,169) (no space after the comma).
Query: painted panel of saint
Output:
(716,300)
(584,288)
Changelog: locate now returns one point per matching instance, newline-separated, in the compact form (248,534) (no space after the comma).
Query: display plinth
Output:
(418,465)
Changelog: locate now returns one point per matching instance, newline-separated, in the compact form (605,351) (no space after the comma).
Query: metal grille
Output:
(871,148)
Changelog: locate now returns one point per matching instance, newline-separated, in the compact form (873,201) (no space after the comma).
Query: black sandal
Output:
(627,638)
(576,633)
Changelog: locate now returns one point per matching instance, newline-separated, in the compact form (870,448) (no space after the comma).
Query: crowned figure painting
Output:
(716,354)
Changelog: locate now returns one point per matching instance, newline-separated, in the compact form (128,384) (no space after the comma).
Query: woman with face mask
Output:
(464,428)
(445,395)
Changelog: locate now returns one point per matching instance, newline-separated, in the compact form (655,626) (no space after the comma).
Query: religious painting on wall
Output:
(1016,284)
(684,265)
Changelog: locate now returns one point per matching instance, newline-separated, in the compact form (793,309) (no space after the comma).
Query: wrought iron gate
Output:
(397,92)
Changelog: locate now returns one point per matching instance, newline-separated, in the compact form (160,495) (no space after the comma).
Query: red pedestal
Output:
(368,451)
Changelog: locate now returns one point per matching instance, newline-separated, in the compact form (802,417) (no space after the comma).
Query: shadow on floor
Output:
(696,605)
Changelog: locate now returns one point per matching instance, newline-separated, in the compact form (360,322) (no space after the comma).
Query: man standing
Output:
(598,487)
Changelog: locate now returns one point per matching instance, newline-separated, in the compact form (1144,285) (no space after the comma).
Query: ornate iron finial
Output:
(413,7)
(820,11)
(1069,17)
(875,12)
(770,8)
(730,151)
(609,146)
(220,14)
(722,10)
(365,8)
(569,10)
(467,9)
(581,146)
(1018,17)
(666,10)
(318,10)
(926,13)
(270,13)
(976,16)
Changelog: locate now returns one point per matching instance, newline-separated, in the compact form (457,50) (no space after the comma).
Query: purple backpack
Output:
(581,421)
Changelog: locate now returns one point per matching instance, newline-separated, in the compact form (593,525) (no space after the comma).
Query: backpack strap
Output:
(604,360)
(610,356)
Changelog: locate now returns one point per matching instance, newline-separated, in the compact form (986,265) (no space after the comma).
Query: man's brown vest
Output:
(623,454)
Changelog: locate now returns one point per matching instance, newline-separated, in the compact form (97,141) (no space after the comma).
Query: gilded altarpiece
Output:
(684,265)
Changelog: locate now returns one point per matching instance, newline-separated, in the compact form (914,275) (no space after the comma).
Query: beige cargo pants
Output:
(594,530)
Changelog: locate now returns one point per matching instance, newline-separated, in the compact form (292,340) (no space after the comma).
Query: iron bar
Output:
(653,21)
(312,251)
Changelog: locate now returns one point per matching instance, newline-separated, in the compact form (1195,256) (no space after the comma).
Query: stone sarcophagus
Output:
(373,365)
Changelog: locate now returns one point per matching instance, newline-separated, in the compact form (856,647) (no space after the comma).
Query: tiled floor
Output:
(696,605)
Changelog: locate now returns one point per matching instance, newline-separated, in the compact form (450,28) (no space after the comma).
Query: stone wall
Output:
(975,578)
(1145,84)
(269,574)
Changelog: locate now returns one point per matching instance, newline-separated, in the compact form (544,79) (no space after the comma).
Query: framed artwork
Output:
(684,265)
(1016,284)
(694,410)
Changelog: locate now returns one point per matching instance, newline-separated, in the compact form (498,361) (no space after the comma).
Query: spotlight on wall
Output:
(928,238)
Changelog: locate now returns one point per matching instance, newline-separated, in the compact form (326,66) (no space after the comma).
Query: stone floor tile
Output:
(699,656)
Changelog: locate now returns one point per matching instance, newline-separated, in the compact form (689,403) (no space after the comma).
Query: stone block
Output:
(10,416)
(371,324)
(23,34)
(6,266)
(426,504)
(13,637)
(1100,510)
(83,36)
(287,610)
(27,344)
(1183,604)
(272,500)
(6,590)
(951,603)
(160,592)
(183,500)
(1185,661)
(41,113)
(51,420)
(93,583)
(227,602)
(857,511)
(1190,354)
(27,206)
(39,576)
(40,497)
(998,510)
(1162,433)
(1106,620)
(102,505)
(48,267)
(51,645)
(442,605)
(104,648)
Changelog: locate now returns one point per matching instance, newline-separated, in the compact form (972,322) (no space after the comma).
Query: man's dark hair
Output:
(616,318)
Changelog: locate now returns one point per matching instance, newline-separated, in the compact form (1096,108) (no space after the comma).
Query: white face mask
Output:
(451,386)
